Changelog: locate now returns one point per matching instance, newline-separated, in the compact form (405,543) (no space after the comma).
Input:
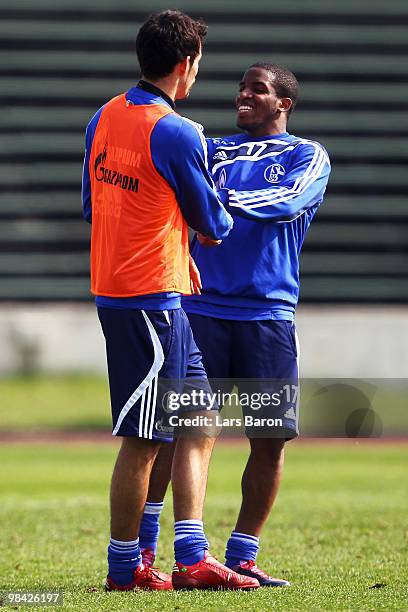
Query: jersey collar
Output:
(156,91)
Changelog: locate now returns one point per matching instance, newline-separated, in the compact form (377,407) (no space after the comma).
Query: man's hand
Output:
(195,278)
(206,241)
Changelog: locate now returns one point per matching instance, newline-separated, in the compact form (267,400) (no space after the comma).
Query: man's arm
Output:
(86,181)
(302,187)
(179,153)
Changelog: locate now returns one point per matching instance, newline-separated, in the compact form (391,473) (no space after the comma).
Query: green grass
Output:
(339,528)
(75,403)
(54,402)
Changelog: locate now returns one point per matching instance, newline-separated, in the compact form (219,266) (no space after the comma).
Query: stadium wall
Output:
(335,341)
(62,60)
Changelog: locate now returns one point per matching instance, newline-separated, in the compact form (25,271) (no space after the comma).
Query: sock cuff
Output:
(183,529)
(124,545)
(153,507)
(236,535)
(188,523)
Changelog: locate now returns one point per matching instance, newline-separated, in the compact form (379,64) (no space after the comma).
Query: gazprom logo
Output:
(274,173)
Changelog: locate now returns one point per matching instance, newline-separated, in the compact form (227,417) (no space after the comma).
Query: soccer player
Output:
(243,321)
(145,178)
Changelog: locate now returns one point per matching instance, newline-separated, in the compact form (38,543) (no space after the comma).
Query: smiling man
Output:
(243,321)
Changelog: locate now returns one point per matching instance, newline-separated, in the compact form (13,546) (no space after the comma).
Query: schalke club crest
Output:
(274,173)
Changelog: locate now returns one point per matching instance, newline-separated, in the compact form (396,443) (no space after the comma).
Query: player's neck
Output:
(264,133)
(276,127)
(167,84)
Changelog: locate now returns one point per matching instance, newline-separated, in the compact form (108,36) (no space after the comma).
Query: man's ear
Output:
(184,66)
(285,104)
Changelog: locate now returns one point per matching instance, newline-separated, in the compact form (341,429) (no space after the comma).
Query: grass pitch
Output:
(339,530)
(81,403)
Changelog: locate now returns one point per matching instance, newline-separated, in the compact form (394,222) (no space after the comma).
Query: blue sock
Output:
(150,525)
(241,547)
(190,542)
(123,559)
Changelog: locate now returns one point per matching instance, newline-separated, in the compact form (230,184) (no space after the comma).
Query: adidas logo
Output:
(220,155)
(290,414)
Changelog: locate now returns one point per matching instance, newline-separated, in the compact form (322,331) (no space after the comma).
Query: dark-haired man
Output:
(243,322)
(145,178)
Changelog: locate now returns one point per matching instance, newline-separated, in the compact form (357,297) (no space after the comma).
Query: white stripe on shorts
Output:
(298,390)
(147,408)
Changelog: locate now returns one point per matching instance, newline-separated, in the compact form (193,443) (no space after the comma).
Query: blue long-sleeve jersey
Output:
(178,151)
(275,185)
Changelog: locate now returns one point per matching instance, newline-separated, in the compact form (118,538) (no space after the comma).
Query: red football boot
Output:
(147,578)
(209,574)
(148,556)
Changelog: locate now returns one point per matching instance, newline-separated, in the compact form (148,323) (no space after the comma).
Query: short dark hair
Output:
(283,80)
(166,39)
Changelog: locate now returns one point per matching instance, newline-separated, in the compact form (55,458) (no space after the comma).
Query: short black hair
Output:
(166,39)
(283,80)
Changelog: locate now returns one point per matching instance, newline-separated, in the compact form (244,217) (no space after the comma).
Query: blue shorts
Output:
(256,356)
(143,348)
